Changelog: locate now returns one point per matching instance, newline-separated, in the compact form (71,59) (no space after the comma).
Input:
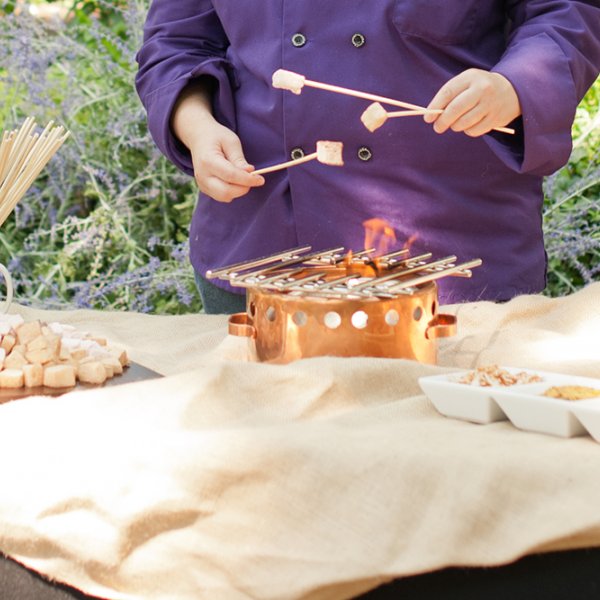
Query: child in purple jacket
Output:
(205,80)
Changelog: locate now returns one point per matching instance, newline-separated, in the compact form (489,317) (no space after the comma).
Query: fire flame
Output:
(379,238)
(410,241)
(380,235)
(348,260)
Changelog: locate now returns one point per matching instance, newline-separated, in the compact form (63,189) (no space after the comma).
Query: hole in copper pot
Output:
(252,309)
(418,313)
(392,317)
(433,308)
(300,318)
(332,320)
(360,319)
(270,314)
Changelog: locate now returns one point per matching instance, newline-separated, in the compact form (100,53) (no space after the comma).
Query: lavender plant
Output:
(106,225)
(572,207)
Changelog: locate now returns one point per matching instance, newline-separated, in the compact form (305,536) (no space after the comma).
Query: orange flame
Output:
(348,260)
(379,238)
(410,241)
(379,234)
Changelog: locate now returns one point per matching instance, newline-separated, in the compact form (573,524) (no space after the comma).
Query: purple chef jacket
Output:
(469,197)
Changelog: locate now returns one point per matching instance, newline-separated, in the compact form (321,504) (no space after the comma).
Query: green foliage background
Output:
(572,206)
(106,225)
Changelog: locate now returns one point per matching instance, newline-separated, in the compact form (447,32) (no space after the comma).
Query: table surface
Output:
(292,481)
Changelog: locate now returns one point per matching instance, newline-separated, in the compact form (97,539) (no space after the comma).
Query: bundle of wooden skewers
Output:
(23,155)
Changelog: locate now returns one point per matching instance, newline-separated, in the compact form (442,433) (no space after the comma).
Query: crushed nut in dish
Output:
(494,375)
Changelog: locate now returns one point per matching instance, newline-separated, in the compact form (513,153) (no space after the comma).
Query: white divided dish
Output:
(527,408)
(588,413)
(461,401)
(524,404)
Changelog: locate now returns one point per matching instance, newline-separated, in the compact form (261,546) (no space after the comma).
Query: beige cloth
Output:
(320,479)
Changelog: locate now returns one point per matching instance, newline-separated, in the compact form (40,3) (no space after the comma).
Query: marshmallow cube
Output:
(374,116)
(330,153)
(288,80)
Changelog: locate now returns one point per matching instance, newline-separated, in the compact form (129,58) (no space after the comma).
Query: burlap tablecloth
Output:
(320,479)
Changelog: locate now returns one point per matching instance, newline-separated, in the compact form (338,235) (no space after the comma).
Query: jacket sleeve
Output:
(552,58)
(183,40)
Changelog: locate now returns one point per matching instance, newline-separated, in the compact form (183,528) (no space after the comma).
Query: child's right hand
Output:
(220,168)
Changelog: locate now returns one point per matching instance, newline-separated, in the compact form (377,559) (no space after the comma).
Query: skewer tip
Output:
(288,80)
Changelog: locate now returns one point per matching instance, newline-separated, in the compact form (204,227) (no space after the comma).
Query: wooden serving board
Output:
(133,372)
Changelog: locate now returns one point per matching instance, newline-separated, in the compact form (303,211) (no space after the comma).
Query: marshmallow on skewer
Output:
(375,115)
(328,153)
(294,82)
(288,80)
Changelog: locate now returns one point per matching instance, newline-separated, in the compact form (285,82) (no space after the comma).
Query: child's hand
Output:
(220,168)
(475,101)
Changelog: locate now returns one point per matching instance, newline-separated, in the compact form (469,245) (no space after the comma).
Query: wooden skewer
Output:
(5,147)
(328,153)
(45,149)
(17,160)
(23,155)
(407,113)
(18,192)
(374,116)
(294,82)
(16,152)
(285,165)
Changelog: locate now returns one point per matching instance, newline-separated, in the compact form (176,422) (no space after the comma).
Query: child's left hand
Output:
(474,102)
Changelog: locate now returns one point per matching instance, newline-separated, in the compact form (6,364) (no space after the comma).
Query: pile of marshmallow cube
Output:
(54,355)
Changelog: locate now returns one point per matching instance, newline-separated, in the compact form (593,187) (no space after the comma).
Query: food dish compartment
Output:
(527,408)
(524,397)
(588,414)
(461,401)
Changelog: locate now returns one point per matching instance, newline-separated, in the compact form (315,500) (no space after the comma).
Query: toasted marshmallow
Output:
(330,153)
(374,116)
(288,80)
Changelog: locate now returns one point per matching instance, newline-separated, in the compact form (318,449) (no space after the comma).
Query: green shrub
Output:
(572,206)
(106,224)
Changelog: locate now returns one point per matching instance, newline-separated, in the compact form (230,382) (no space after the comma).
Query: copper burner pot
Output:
(285,327)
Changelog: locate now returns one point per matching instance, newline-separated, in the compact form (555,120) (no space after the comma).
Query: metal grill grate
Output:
(335,273)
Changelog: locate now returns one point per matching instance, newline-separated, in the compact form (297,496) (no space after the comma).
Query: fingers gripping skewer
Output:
(294,82)
(375,116)
(328,153)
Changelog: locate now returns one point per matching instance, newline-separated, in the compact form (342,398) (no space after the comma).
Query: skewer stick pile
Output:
(23,155)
